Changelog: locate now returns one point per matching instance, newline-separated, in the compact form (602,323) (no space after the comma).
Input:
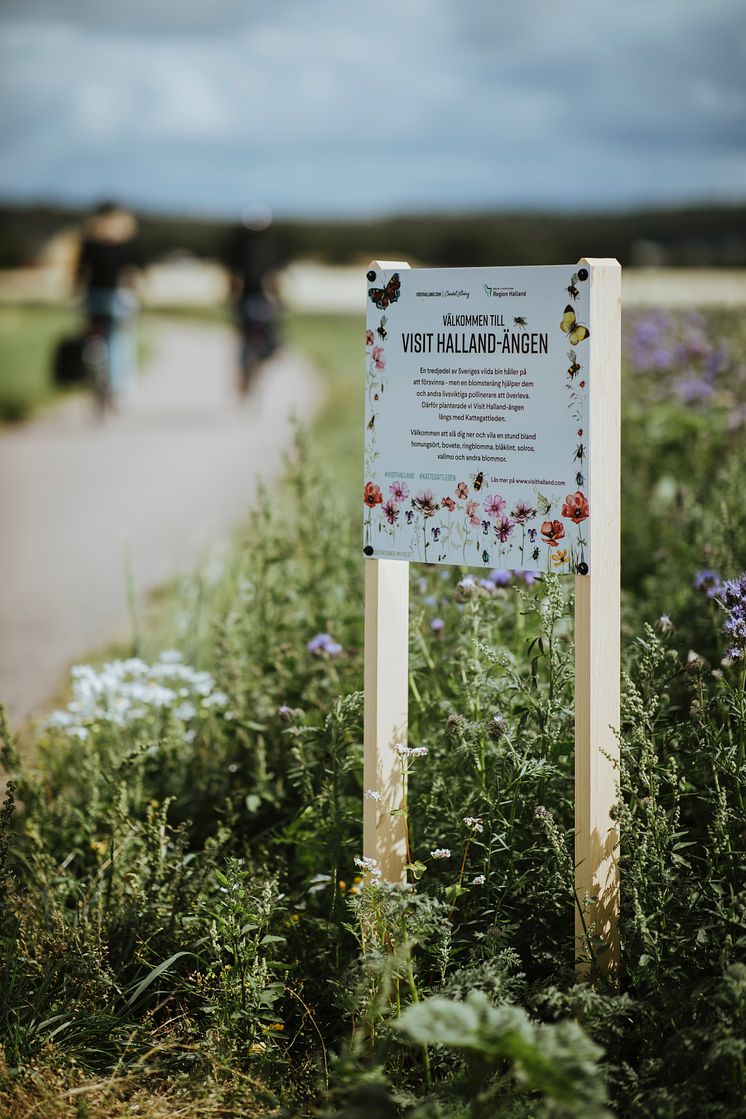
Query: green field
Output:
(28,336)
(185,929)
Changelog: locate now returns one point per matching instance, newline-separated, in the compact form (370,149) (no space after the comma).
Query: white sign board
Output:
(476,413)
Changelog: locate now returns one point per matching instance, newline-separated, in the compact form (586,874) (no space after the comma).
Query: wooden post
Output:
(597,661)
(386,682)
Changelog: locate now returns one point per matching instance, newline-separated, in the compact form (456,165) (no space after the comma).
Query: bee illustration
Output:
(580,453)
(571,289)
(579,479)
(372,422)
(381,330)
(477,480)
(535,554)
(520,321)
(574,366)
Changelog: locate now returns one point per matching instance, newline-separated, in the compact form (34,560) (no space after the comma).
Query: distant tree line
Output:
(693,236)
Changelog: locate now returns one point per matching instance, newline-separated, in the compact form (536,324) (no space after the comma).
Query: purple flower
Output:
(529,577)
(500,578)
(324,643)
(504,527)
(390,511)
(733,597)
(532,533)
(399,491)
(494,505)
(708,581)
(437,624)
(409,516)
(693,390)
(436,533)
(485,528)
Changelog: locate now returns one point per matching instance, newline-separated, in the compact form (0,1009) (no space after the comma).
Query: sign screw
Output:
(371,276)
(368,551)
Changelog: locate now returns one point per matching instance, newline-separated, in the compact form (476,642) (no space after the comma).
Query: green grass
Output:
(28,335)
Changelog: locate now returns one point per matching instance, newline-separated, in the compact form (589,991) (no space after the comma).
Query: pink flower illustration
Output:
(426,503)
(399,491)
(377,355)
(369,338)
(522,512)
(472,512)
(390,511)
(494,505)
(503,528)
(448,503)
(462,490)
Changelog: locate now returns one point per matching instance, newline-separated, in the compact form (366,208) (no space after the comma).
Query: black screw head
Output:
(582,273)
(371,276)
(367,550)
(582,569)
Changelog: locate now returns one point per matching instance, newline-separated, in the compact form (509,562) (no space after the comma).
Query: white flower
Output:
(185,711)
(371,794)
(170,656)
(370,866)
(474,823)
(410,751)
(478,880)
(441,853)
(215,699)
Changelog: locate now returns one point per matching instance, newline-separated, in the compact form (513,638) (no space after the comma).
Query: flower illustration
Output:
(494,505)
(399,491)
(436,533)
(372,495)
(462,490)
(472,512)
(485,527)
(575,507)
(522,512)
(369,338)
(377,355)
(426,503)
(448,503)
(390,511)
(503,528)
(409,516)
(560,556)
(532,534)
(552,532)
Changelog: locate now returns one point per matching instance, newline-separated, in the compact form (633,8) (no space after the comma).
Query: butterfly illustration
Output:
(383,296)
(381,330)
(574,330)
(543,504)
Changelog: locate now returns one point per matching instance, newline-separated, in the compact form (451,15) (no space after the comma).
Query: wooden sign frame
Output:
(597,664)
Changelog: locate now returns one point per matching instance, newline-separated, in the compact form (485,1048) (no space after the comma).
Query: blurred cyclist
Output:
(110,258)
(251,260)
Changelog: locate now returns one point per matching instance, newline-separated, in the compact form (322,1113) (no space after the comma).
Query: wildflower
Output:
(708,581)
(284,712)
(499,577)
(542,813)
(522,512)
(368,865)
(552,532)
(369,338)
(372,794)
(462,491)
(170,656)
(399,491)
(504,528)
(390,511)
(425,502)
(437,624)
(478,880)
(377,355)
(410,751)
(529,577)
(448,503)
(733,597)
(372,495)
(575,507)
(324,643)
(472,512)
(475,823)
(496,727)
(440,853)
(664,624)
(185,711)
(494,505)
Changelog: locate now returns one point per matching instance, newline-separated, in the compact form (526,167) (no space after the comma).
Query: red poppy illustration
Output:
(576,507)
(372,495)
(552,532)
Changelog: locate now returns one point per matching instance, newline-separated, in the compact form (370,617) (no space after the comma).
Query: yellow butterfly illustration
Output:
(574,330)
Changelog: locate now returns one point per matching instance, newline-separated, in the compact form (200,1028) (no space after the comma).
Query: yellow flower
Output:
(295,917)
(342,885)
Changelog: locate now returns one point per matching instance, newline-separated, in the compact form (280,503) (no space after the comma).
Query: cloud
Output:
(334,108)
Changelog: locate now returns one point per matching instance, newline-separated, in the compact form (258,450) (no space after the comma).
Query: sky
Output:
(339,108)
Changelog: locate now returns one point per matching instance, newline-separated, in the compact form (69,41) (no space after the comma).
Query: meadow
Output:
(186,925)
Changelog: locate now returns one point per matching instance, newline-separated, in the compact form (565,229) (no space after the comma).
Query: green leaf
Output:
(416,869)
(161,969)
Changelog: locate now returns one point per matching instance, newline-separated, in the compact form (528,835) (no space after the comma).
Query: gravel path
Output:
(149,490)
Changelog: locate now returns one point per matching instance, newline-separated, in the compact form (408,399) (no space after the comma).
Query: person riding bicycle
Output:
(109,260)
(251,259)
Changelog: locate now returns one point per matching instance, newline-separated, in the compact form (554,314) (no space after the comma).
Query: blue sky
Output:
(337,108)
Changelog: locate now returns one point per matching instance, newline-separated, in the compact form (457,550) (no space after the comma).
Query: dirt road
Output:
(149,491)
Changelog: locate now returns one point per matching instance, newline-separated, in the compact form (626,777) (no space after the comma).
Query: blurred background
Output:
(473,134)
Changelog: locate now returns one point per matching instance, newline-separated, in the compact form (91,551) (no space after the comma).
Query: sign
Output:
(476,417)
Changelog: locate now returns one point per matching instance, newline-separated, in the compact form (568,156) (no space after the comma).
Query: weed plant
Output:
(186,914)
